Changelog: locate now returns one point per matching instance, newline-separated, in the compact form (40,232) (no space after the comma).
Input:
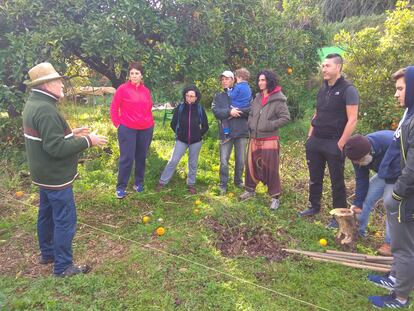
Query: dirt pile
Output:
(246,241)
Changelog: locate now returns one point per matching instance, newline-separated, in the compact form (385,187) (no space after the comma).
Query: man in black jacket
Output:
(238,135)
(332,124)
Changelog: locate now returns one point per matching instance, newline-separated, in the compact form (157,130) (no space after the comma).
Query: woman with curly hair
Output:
(269,112)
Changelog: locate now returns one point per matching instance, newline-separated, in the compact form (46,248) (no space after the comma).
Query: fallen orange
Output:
(160,231)
(19,194)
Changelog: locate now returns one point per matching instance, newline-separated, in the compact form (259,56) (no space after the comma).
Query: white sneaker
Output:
(275,204)
(247,195)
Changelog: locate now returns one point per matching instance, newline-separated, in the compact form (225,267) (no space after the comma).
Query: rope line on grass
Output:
(184,259)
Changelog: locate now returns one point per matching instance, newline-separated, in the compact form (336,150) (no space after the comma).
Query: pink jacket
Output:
(132,107)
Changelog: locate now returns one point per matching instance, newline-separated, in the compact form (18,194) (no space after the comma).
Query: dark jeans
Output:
(239,157)
(319,152)
(56,226)
(133,145)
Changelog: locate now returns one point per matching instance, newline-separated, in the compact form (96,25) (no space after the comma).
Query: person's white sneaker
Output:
(275,204)
(247,195)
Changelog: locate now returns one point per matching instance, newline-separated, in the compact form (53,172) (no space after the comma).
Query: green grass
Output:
(182,270)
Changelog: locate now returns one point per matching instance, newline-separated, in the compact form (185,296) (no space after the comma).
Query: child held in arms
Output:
(241,97)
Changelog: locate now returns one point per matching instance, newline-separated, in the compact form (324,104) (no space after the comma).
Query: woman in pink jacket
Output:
(131,114)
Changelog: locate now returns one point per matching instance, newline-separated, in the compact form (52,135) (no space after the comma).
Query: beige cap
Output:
(227,74)
(42,73)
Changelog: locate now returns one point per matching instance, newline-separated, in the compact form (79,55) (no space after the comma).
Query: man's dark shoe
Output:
(45,261)
(309,212)
(333,224)
(73,270)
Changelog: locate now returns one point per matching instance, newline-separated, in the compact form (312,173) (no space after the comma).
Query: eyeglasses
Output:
(190,96)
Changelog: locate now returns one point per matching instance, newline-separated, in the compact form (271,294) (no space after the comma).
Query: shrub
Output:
(372,56)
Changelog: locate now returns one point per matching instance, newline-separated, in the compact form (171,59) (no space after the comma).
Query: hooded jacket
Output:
(404,186)
(266,119)
(192,125)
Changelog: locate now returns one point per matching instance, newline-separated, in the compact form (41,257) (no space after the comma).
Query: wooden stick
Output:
(353,265)
(380,258)
(333,259)
(346,256)
(324,255)
(345,253)
(332,254)
(367,257)
(341,259)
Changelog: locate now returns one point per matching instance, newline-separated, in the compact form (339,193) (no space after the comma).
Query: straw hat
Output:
(42,73)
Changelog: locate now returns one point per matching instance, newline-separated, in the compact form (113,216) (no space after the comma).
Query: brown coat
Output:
(265,121)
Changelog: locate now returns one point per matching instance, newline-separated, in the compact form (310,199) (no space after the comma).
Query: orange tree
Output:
(178,41)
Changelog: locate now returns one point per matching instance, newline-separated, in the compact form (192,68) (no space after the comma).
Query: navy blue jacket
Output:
(191,129)
(380,142)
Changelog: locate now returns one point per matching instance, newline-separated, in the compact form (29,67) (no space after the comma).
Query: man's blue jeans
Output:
(239,157)
(56,226)
(375,193)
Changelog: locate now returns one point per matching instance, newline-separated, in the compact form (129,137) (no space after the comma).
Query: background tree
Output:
(178,41)
(373,54)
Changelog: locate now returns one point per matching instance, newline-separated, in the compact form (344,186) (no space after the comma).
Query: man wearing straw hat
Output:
(52,151)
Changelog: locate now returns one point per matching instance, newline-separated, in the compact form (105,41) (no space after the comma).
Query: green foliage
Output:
(339,10)
(11,99)
(11,134)
(354,24)
(372,56)
(179,42)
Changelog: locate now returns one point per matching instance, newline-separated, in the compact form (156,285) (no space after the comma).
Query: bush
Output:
(372,56)
(11,135)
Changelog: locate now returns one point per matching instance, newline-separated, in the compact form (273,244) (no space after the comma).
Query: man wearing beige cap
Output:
(52,150)
(237,137)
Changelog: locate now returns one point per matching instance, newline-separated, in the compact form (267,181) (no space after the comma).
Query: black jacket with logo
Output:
(331,116)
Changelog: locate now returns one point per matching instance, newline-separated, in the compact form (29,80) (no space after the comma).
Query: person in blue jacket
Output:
(366,154)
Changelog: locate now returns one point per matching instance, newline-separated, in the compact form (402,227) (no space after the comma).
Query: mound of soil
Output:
(246,241)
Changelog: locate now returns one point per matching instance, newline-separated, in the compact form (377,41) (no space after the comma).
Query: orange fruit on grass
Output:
(19,194)
(160,231)
(323,242)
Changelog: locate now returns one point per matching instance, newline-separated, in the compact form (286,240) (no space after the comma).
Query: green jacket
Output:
(265,120)
(52,150)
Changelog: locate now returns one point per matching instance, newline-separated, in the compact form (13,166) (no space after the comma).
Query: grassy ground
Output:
(134,269)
